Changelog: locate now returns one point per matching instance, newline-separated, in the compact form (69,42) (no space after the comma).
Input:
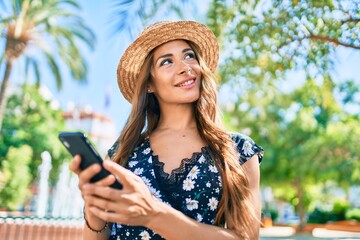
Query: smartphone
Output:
(78,144)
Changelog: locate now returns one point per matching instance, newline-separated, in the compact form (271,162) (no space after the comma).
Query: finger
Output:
(126,177)
(106,181)
(107,216)
(75,164)
(108,193)
(102,203)
(86,174)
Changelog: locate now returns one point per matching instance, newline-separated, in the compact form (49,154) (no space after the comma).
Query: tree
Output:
(131,17)
(43,30)
(34,121)
(15,177)
(270,43)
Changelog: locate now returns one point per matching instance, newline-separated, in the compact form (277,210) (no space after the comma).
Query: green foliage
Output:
(15,177)
(353,214)
(132,16)
(336,213)
(268,38)
(31,119)
(55,30)
(322,216)
(278,61)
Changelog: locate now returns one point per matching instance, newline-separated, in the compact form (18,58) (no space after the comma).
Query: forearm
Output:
(172,224)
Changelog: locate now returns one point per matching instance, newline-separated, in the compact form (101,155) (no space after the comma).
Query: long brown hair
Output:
(234,207)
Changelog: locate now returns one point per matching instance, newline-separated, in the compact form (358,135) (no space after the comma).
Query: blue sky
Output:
(108,50)
(103,63)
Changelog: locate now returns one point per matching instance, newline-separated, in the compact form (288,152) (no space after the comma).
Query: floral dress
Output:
(194,188)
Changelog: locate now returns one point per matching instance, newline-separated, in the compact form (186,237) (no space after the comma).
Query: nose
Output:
(185,68)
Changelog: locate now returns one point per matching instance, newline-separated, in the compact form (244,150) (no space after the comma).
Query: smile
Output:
(187,83)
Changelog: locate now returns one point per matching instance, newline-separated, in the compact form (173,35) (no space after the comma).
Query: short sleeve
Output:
(247,147)
(113,149)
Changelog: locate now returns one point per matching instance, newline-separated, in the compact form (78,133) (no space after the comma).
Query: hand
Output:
(133,205)
(84,178)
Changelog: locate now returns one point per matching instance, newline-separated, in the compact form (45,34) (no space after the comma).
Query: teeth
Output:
(186,83)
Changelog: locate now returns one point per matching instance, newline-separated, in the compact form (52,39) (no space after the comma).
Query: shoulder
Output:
(113,149)
(142,146)
(246,147)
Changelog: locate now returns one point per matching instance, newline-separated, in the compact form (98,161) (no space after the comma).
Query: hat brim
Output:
(134,56)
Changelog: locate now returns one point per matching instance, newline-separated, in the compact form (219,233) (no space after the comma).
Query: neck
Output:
(177,118)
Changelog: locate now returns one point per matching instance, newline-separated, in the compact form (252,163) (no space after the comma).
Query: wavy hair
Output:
(235,208)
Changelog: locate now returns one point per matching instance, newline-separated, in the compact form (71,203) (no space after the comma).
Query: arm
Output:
(134,205)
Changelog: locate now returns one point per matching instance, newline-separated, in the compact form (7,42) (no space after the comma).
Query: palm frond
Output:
(54,69)
(132,16)
(32,63)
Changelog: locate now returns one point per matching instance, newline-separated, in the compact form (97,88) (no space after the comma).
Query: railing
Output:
(34,228)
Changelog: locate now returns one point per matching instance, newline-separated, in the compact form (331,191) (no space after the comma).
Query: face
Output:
(175,74)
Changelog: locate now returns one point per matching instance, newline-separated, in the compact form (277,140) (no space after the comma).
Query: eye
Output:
(190,55)
(165,62)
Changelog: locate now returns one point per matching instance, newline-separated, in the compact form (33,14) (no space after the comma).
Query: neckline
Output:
(180,169)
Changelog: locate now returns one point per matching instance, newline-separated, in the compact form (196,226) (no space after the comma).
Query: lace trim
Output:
(178,173)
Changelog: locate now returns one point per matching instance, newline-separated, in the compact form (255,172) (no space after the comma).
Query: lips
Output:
(186,82)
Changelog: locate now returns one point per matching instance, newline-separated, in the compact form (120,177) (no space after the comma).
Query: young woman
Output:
(184,176)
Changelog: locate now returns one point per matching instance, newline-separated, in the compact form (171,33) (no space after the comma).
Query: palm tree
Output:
(131,16)
(43,32)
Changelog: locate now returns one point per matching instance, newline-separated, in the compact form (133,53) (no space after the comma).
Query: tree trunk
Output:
(3,89)
(300,206)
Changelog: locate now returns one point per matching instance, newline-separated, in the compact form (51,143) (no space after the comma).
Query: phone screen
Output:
(78,144)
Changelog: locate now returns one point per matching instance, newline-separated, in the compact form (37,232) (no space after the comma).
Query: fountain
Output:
(44,169)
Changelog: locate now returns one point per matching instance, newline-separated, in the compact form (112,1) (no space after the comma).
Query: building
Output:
(100,129)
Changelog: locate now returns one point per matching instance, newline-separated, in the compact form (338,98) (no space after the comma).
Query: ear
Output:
(150,88)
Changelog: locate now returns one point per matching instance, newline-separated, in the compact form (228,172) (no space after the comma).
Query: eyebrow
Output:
(170,54)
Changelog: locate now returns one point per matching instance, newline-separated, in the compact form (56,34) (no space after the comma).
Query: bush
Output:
(353,214)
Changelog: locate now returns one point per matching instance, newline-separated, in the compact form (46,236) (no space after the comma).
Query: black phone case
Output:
(78,144)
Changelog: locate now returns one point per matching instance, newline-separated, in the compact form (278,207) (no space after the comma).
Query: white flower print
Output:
(150,159)
(199,218)
(139,171)
(152,172)
(132,163)
(217,190)
(213,202)
(194,172)
(145,235)
(191,204)
(127,234)
(188,184)
(208,184)
(220,183)
(213,168)
(247,148)
(146,181)
(146,151)
(201,159)
(154,192)
(135,155)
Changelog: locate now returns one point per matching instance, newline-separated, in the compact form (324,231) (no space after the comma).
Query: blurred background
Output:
(290,79)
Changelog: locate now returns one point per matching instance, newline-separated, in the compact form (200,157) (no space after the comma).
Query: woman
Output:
(183,175)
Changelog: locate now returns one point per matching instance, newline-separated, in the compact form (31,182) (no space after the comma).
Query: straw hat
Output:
(157,34)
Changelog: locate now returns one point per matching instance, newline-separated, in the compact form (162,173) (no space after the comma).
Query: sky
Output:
(102,63)
(104,59)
